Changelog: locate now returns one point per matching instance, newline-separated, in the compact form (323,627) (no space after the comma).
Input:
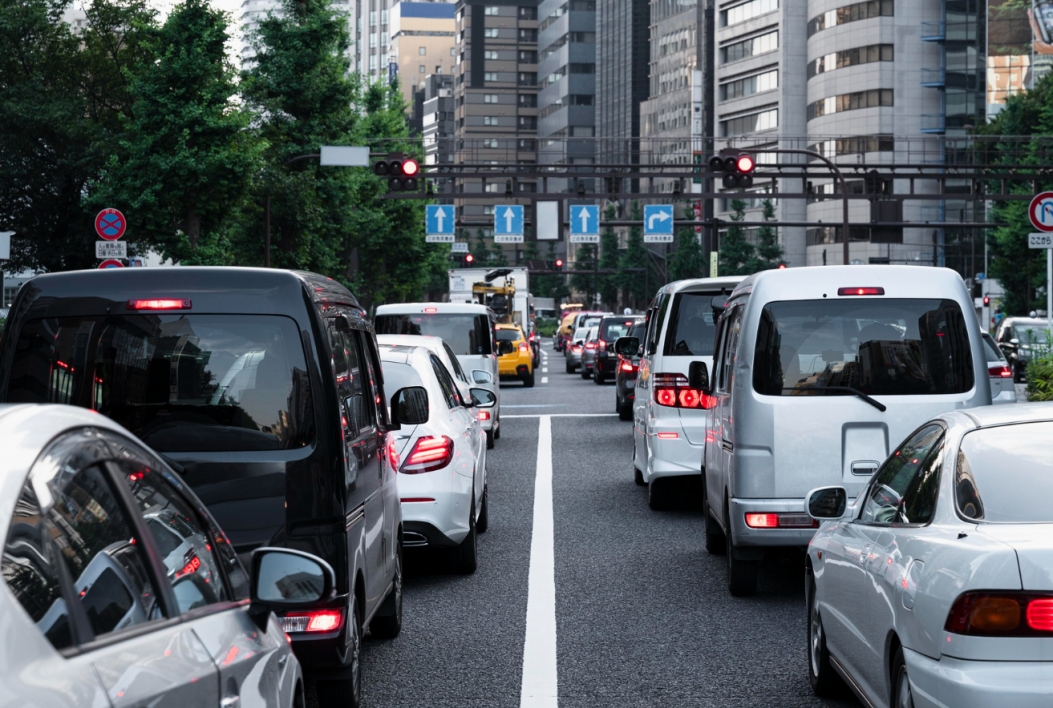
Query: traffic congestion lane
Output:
(643,617)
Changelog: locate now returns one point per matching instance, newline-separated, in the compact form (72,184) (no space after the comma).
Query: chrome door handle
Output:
(863,555)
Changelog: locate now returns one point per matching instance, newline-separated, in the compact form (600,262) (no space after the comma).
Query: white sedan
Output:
(442,468)
(935,586)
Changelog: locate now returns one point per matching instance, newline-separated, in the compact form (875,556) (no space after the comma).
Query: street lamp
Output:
(329,156)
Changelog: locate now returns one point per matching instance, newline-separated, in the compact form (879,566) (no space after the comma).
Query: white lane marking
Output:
(544,379)
(544,369)
(540,684)
(559,415)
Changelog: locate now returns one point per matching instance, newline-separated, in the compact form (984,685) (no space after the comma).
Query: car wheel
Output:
(300,698)
(584,371)
(820,673)
(346,692)
(901,693)
(570,369)
(617,401)
(638,477)
(598,378)
(465,555)
(715,541)
(389,625)
(483,522)
(660,494)
(625,410)
(528,380)
(497,429)
(742,574)
(490,437)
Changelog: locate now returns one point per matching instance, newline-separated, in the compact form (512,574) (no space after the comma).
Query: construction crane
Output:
(498,297)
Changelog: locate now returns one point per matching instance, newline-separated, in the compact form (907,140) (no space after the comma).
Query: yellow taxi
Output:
(515,360)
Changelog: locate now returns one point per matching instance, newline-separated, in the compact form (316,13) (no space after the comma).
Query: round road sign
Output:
(105,265)
(1041,211)
(110,224)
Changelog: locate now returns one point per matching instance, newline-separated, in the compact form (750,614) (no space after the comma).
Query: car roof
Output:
(988,416)
(506,326)
(404,354)
(412,308)
(1030,322)
(727,282)
(814,283)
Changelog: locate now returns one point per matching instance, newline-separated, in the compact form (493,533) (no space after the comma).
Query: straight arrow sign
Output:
(584,216)
(510,217)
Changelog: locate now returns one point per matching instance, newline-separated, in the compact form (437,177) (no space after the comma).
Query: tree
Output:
(480,250)
(636,285)
(609,284)
(688,261)
(769,252)
(584,278)
(554,286)
(736,253)
(185,161)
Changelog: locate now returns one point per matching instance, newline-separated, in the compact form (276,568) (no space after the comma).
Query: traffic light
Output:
(469,259)
(737,167)
(559,264)
(400,171)
(987,300)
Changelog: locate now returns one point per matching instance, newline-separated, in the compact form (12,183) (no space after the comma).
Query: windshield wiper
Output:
(848,389)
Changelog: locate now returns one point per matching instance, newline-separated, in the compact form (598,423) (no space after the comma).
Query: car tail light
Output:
(393,453)
(771,520)
(431,310)
(590,345)
(672,391)
(627,367)
(1000,371)
(429,453)
(576,349)
(159,304)
(482,415)
(668,436)
(524,347)
(602,345)
(1001,614)
(860,291)
(313,621)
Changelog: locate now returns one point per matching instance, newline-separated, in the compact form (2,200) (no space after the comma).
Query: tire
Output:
(659,494)
(625,410)
(483,522)
(528,380)
(570,369)
(497,430)
(584,371)
(742,574)
(820,673)
(346,692)
(465,556)
(638,477)
(490,437)
(300,698)
(716,544)
(598,378)
(902,696)
(389,626)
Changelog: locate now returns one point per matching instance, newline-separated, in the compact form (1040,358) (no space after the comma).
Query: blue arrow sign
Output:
(508,220)
(658,220)
(584,220)
(439,220)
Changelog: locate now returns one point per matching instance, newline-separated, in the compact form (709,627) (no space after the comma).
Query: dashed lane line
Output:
(544,379)
(559,415)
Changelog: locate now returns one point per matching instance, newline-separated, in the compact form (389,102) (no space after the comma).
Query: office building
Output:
(437,119)
(423,42)
(622,85)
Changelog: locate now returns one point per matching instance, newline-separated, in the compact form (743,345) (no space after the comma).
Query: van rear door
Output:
(690,335)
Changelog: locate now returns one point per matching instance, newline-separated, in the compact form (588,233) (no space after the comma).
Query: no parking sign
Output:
(110,224)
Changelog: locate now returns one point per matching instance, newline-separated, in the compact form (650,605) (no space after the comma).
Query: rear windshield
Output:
(182,383)
(613,328)
(467,334)
(692,330)
(893,347)
(398,376)
(1005,474)
(507,335)
(993,352)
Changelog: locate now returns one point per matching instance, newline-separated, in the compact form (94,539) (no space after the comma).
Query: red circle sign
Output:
(106,265)
(110,224)
(1041,211)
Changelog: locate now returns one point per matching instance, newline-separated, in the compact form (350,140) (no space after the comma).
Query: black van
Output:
(264,389)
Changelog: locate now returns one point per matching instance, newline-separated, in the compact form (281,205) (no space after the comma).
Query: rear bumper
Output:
(446,516)
(420,534)
(1006,396)
(746,536)
(606,366)
(958,683)
(675,457)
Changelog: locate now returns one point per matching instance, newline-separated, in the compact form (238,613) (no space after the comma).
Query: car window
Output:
(449,389)
(457,370)
(729,348)
(350,379)
(692,327)
(466,333)
(370,380)
(508,335)
(659,319)
(993,352)
(581,333)
(1004,474)
(904,488)
(611,329)
(593,335)
(182,539)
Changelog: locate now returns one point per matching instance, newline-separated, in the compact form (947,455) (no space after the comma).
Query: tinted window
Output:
(449,389)
(30,572)
(1005,474)
(183,540)
(181,383)
(398,376)
(467,334)
(993,352)
(892,347)
(729,348)
(351,381)
(659,319)
(455,363)
(904,489)
(508,335)
(613,328)
(692,329)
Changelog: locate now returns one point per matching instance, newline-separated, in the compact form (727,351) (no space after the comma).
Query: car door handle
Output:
(863,555)
(283,661)
(230,702)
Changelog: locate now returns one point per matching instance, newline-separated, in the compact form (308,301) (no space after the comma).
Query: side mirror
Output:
(284,579)
(718,304)
(481,398)
(698,376)
(482,377)
(627,346)
(505,348)
(827,503)
(409,406)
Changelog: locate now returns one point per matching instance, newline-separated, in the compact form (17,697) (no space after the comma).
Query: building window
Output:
(850,57)
(854,146)
(489,98)
(423,70)
(490,33)
(453,51)
(528,100)
(490,54)
(529,13)
(747,11)
(491,143)
(850,102)
(373,18)
(423,51)
(851,13)
(527,78)
(490,120)
(383,17)
(751,47)
(492,10)
(751,123)
(372,62)
(490,76)
(750,85)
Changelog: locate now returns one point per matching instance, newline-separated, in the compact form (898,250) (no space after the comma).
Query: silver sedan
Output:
(574,348)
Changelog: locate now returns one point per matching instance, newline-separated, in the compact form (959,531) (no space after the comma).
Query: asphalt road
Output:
(642,614)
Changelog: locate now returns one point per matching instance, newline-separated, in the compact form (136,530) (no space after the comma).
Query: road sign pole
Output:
(1049,292)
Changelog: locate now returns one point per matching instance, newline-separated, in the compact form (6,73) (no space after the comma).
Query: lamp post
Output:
(329,156)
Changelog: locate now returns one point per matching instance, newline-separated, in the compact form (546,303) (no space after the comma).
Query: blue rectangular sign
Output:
(508,220)
(658,220)
(584,220)
(439,220)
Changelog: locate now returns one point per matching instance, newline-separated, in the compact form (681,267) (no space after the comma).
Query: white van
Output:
(819,373)
(668,422)
(467,329)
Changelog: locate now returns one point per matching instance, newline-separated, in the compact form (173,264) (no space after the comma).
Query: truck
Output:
(467,285)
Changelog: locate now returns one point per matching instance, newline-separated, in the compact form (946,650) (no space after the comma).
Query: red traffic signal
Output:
(410,168)
(745,164)
(401,172)
(737,167)
(987,300)
(559,262)
(469,258)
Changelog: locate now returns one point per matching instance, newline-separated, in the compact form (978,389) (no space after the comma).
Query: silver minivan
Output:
(818,373)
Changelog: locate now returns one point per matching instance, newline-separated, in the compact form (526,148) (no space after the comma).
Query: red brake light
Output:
(768,520)
(1001,614)
(524,347)
(1000,371)
(431,310)
(590,345)
(627,366)
(429,454)
(482,415)
(159,304)
(672,390)
(393,453)
(668,436)
(762,521)
(860,291)
(313,621)
(665,396)
(1040,615)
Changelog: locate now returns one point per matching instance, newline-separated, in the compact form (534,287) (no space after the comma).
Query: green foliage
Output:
(546,327)
(609,260)
(736,253)
(584,280)
(636,286)
(688,261)
(554,286)
(768,251)
(1040,380)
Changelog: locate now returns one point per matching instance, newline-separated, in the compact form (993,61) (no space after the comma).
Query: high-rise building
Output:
(622,85)
(566,83)
(437,119)
(423,42)
(495,98)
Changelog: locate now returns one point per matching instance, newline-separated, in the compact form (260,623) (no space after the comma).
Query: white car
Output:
(935,586)
(442,458)
(1003,390)
(480,378)
(118,587)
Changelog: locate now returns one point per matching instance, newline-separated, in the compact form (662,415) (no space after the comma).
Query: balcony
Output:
(934,78)
(933,123)
(933,31)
